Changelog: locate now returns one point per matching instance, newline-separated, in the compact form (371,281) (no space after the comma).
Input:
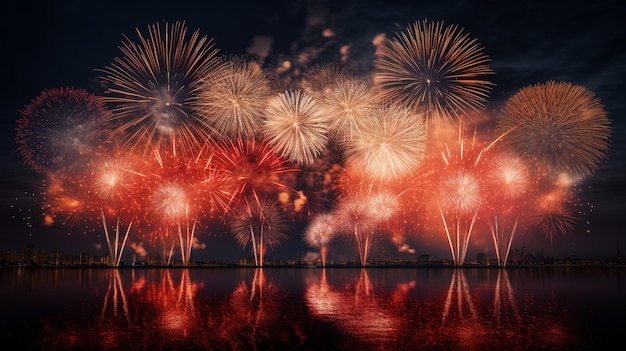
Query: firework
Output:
(434,69)
(551,215)
(508,178)
(252,167)
(319,233)
(58,131)
(354,217)
(295,126)
(260,223)
(460,193)
(507,183)
(391,146)
(154,87)
(558,127)
(459,188)
(233,99)
(115,186)
(318,80)
(347,103)
(178,198)
(67,201)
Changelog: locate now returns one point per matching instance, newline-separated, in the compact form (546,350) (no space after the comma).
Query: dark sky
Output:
(51,44)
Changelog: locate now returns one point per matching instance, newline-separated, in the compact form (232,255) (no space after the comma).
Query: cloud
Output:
(139,249)
(261,47)
(198,245)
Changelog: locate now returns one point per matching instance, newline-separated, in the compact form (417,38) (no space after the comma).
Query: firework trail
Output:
(116,187)
(179,198)
(391,146)
(153,89)
(320,233)
(507,186)
(58,131)
(260,223)
(234,98)
(459,188)
(435,70)
(556,127)
(295,126)
(354,217)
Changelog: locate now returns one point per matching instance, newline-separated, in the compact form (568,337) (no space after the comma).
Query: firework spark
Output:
(459,188)
(178,198)
(391,146)
(318,80)
(320,233)
(260,223)
(348,102)
(558,127)
(116,186)
(295,126)
(253,167)
(234,98)
(58,131)
(354,217)
(507,183)
(434,69)
(154,88)
(551,214)
(67,201)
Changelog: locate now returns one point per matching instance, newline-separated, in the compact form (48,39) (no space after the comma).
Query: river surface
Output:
(547,308)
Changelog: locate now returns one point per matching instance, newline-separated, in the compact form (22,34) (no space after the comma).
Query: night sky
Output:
(63,43)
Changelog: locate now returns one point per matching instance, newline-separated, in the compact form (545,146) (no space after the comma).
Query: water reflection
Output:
(256,315)
(320,308)
(355,308)
(115,298)
(505,310)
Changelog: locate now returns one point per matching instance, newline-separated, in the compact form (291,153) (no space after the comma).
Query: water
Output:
(547,308)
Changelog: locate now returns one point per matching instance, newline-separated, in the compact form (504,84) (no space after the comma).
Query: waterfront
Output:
(531,308)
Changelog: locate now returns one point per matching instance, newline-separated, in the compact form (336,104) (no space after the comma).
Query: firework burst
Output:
(154,88)
(558,127)
(320,233)
(459,188)
(253,168)
(347,103)
(552,215)
(295,126)
(179,199)
(507,184)
(434,69)
(66,201)
(391,146)
(234,98)
(355,218)
(58,132)
(115,185)
(260,223)
(460,193)
(318,80)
